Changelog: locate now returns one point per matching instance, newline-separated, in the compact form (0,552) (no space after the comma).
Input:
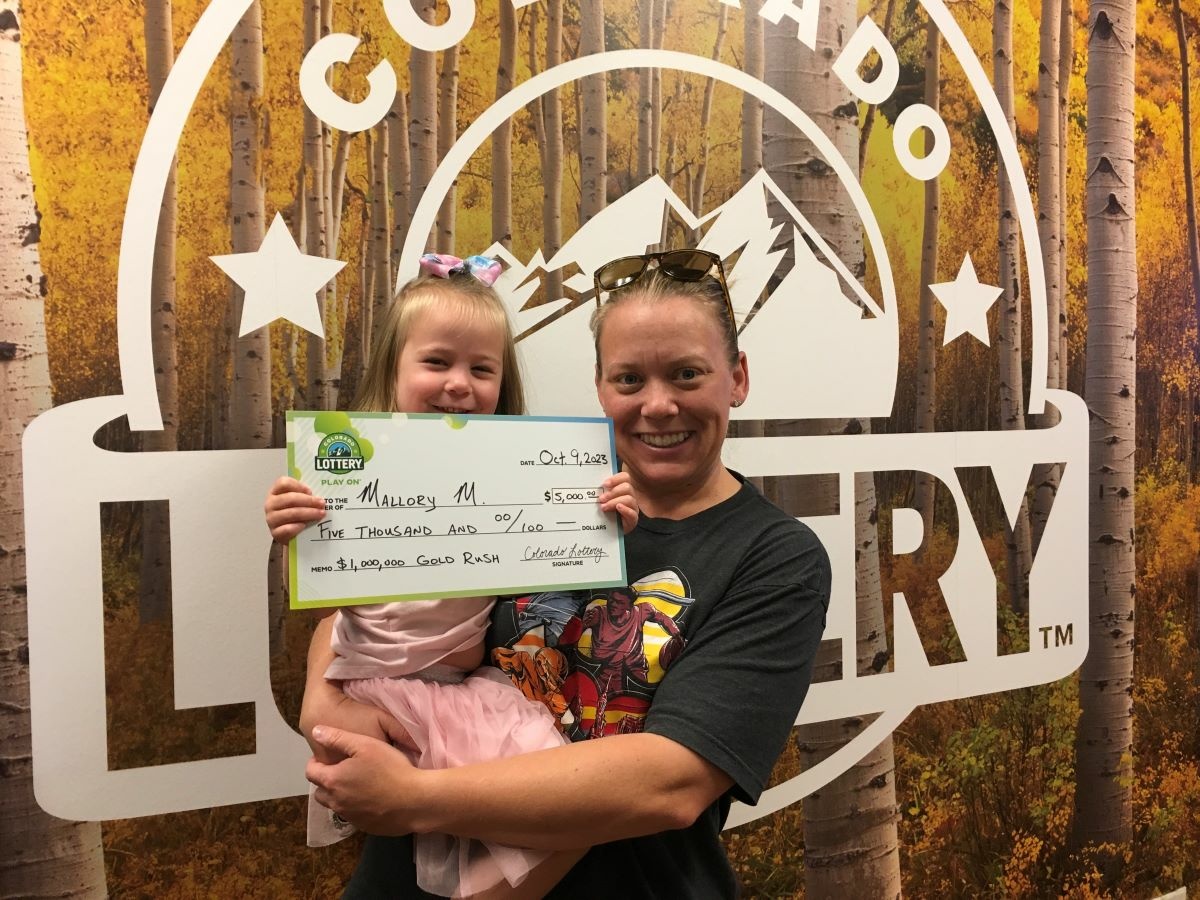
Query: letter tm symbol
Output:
(1062,636)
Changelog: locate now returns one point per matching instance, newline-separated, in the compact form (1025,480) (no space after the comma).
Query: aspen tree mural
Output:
(850,824)
(1049,223)
(1104,740)
(156,536)
(317,388)
(1185,111)
(251,417)
(423,118)
(924,485)
(447,131)
(502,228)
(999,479)
(593,117)
(1009,338)
(43,855)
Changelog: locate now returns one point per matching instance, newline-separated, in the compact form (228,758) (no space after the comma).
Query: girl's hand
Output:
(618,496)
(290,507)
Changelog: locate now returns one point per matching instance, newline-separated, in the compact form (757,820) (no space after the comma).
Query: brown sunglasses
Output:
(679,265)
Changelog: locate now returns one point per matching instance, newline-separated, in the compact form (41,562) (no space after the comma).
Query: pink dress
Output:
(390,656)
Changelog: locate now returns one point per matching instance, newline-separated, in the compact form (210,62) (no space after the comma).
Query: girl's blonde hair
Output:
(461,294)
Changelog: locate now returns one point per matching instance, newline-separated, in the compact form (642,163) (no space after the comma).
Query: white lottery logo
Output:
(852,341)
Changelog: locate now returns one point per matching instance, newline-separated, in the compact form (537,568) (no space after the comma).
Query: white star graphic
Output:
(967,303)
(280,282)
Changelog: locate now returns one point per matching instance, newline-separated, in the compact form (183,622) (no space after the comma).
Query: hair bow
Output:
(484,268)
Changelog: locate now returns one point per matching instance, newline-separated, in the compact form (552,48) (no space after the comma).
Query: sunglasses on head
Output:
(679,265)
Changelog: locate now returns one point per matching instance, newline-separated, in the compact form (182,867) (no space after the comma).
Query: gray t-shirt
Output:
(712,646)
(758,583)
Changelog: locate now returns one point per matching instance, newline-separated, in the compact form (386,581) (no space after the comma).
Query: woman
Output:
(746,588)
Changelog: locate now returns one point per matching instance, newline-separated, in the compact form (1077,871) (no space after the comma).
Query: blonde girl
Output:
(410,672)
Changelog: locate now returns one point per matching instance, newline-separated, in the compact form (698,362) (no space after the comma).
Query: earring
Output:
(736,403)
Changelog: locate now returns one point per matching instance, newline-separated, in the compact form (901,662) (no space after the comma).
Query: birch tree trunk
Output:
(1008,340)
(1189,172)
(645,92)
(399,169)
(1066,59)
(697,197)
(337,304)
(658,28)
(552,172)
(924,492)
(502,136)
(154,596)
(1104,740)
(252,360)
(251,423)
(42,856)
(751,151)
(851,846)
(423,124)
(337,185)
(366,288)
(447,132)
(593,124)
(1049,237)
(291,341)
(752,107)
(317,395)
(669,169)
(380,252)
(334,317)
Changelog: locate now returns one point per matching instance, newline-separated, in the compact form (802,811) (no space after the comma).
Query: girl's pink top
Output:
(402,638)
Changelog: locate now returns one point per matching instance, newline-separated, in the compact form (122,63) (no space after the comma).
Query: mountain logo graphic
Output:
(339,452)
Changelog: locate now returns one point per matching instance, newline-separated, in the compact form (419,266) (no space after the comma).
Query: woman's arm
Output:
(586,793)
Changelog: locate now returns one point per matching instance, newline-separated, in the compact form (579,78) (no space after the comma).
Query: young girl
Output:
(445,347)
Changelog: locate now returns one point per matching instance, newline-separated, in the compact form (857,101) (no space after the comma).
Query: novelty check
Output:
(424,506)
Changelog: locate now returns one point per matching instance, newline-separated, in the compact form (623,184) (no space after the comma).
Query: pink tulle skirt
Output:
(480,718)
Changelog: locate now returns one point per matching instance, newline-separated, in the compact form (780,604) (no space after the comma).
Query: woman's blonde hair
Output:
(461,294)
(655,286)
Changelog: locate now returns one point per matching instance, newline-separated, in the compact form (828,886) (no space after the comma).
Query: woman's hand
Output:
(290,507)
(369,784)
(618,496)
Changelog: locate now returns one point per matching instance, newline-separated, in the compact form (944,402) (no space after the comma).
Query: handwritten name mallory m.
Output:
(370,495)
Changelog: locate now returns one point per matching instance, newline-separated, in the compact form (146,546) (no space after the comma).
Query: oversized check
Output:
(423,506)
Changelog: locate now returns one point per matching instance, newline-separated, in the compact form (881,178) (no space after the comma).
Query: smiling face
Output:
(450,364)
(665,378)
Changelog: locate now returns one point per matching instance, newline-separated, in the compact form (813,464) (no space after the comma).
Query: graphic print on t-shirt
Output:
(629,638)
(533,635)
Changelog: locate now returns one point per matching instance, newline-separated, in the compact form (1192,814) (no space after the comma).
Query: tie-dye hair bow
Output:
(484,268)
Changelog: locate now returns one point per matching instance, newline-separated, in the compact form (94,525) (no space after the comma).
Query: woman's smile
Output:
(665,440)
